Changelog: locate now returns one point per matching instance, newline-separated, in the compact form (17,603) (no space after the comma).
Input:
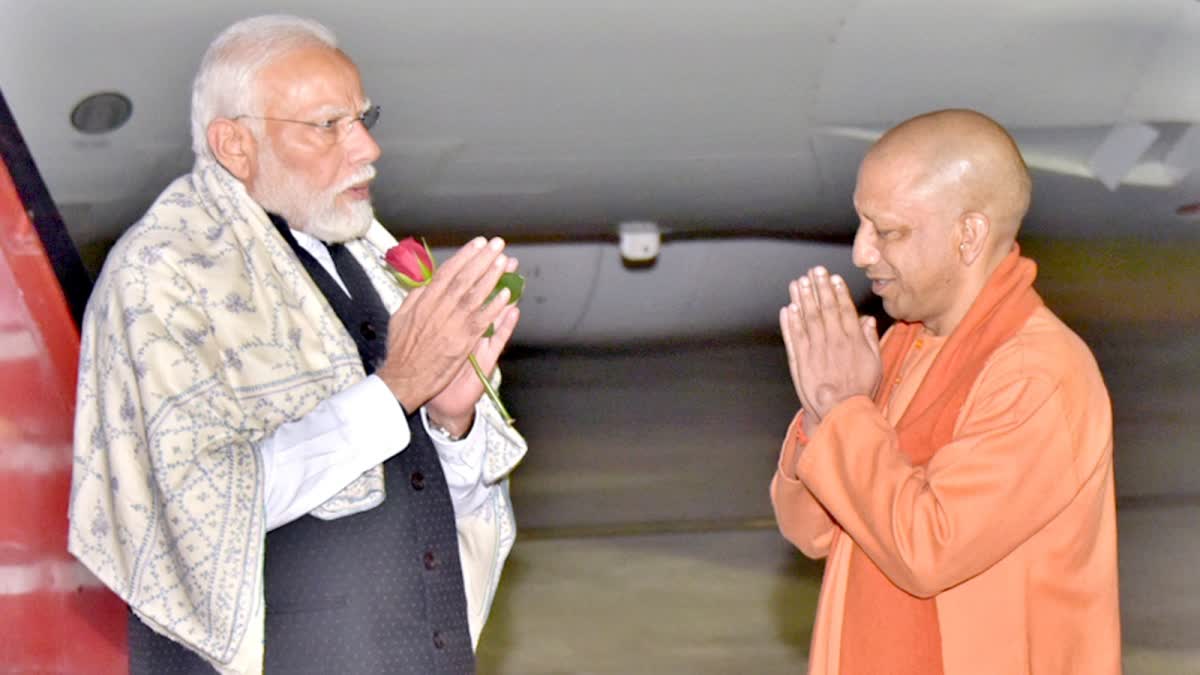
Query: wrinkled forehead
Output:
(316,79)
(886,172)
(901,185)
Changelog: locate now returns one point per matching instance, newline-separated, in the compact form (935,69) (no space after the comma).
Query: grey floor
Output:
(647,544)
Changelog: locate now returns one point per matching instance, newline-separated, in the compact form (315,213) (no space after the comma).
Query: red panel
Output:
(54,616)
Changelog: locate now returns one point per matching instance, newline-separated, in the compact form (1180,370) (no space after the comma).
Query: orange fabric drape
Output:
(887,630)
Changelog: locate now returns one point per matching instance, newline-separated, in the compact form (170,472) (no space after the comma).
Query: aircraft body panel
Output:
(544,119)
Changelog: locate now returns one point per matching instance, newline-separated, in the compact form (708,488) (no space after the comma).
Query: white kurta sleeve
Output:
(311,459)
(462,464)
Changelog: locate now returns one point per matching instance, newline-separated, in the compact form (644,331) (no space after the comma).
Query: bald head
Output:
(940,199)
(966,158)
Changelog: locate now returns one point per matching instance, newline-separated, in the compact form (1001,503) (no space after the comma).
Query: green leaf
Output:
(432,260)
(407,282)
(515,283)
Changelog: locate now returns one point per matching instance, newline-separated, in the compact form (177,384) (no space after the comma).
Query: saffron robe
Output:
(1011,527)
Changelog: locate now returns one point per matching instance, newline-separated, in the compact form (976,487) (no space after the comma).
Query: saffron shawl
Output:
(203,335)
(905,628)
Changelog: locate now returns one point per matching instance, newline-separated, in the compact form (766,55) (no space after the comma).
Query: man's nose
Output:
(361,145)
(865,253)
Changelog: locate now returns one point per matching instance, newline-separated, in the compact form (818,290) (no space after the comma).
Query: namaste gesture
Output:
(833,353)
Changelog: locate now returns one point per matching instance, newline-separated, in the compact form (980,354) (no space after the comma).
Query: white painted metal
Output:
(556,120)
(583,293)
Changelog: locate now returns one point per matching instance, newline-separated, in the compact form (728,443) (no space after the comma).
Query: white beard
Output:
(317,213)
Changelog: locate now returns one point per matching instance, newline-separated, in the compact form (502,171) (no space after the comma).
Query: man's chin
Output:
(889,306)
(341,234)
(339,230)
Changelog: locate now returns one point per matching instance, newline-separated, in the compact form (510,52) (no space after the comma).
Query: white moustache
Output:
(359,177)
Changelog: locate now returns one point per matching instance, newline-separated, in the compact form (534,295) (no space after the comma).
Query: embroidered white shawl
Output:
(203,335)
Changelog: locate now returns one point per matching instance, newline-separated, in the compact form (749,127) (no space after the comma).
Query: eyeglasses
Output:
(335,129)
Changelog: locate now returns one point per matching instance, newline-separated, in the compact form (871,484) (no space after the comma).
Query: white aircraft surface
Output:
(663,168)
(722,138)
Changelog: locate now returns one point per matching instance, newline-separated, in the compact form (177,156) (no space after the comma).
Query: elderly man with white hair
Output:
(282,460)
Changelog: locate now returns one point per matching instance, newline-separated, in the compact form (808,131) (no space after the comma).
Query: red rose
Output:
(411,262)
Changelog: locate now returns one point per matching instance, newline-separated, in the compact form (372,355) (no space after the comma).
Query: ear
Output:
(234,147)
(974,228)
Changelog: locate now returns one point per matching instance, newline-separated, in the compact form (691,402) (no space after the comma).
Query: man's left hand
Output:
(833,354)
(453,408)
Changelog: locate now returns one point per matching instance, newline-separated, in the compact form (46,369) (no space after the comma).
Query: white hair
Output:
(224,85)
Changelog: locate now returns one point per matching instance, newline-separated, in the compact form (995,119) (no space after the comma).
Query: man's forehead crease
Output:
(341,109)
(874,202)
(338,96)
(317,96)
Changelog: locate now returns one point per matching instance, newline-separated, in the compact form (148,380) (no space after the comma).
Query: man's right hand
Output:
(439,324)
(833,353)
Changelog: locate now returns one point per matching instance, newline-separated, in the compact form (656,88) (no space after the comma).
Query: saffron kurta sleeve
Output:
(1010,469)
(802,519)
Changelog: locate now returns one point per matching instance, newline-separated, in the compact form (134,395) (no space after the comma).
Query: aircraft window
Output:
(101,113)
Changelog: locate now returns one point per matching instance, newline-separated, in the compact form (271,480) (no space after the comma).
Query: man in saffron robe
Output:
(957,474)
